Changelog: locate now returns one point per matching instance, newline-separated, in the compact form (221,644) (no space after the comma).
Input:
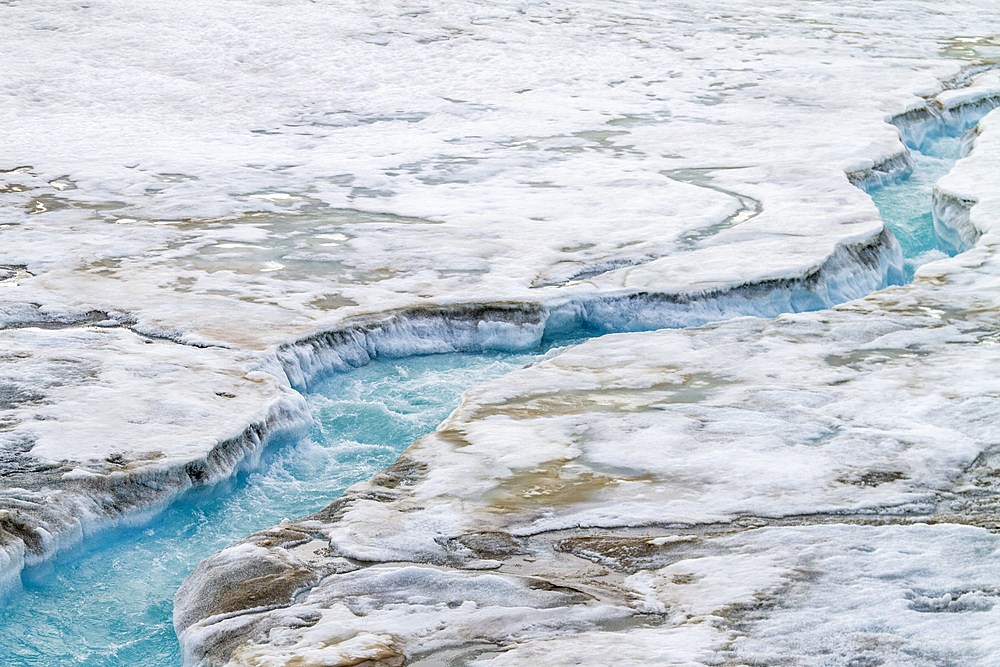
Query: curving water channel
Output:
(109,601)
(906,206)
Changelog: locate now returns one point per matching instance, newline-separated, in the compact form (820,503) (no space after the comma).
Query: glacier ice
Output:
(236,200)
(814,487)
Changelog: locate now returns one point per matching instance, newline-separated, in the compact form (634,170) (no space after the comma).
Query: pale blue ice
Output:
(906,206)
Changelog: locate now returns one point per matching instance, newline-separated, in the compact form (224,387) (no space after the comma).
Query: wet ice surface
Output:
(237,166)
(109,602)
(817,487)
(254,176)
(241,176)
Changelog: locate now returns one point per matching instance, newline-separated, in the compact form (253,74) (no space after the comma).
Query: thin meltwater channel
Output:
(109,600)
(906,206)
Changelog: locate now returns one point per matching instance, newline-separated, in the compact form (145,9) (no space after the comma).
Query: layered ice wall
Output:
(99,425)
(198,204)
(818,488)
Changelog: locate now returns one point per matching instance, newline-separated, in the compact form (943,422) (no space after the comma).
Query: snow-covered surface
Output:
(250,175)
(192,195)
(817,488)
(99,423)
(246,173)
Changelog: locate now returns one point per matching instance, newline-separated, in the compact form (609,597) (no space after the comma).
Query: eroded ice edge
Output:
(174,277)
(109,600)
(178,209)
(816,487)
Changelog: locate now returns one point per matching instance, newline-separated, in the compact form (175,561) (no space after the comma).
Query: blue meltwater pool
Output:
(109,601)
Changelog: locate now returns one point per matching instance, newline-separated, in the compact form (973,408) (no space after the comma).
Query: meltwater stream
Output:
(109,601)
(906,206)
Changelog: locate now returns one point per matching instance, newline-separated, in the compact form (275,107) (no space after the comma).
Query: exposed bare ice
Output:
(818,487)
(197,224)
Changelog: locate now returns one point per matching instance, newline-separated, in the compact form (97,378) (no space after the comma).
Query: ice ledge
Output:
(970,96)
(192,416)
(853,270)
(683,478)
(113,478)
(966,201)
(963,106)
(888,171)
